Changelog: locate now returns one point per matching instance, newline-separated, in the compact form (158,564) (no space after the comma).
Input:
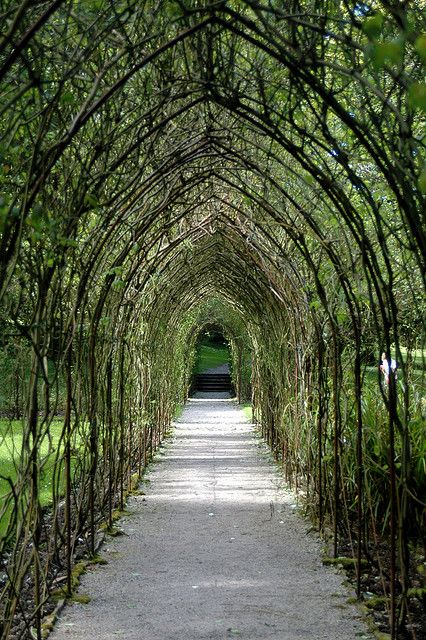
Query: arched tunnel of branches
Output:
(253,165)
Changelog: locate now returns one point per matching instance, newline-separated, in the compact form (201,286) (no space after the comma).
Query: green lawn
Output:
(419,357)
(247,410)
(208,357)
(418,377)
(11,436)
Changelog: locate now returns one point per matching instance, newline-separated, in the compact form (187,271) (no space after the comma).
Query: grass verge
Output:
(12,454)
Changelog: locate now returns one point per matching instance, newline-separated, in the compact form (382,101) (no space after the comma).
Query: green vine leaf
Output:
(420,47)
(91,200)
(372,27)
(389,52)
(421,182)
(417,95)
(67,98)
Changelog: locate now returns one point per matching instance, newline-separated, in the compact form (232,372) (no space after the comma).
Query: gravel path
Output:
(215,550)
(221,368)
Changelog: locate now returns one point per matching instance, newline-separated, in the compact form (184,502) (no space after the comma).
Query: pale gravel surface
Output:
(214,550)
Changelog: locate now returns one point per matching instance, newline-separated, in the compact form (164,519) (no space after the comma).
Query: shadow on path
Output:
(214,550)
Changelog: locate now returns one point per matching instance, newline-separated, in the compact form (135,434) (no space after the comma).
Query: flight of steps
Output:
(213,382)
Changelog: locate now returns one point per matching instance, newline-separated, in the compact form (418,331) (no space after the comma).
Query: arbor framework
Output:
(170,166)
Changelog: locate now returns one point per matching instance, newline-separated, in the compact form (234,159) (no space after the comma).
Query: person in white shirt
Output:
(386,365)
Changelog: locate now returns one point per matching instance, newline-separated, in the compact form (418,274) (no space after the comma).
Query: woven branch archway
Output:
(165,160)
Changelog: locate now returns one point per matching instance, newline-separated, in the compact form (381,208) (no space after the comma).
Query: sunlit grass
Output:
(372,377)
(11,459)
(418,355)
(247,410)
(209,357)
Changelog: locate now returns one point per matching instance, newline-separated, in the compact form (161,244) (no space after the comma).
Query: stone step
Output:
(213,382)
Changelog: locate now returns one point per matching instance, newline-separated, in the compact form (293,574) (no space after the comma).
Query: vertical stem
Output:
(109,439)
(17,389)
(145,439)
(67,427)
(93,438)
(140,424)
(33,424)
(360,469)
(392,471)
(319,432)
(121,425)
(336,443)
(239,375)
(404,551)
